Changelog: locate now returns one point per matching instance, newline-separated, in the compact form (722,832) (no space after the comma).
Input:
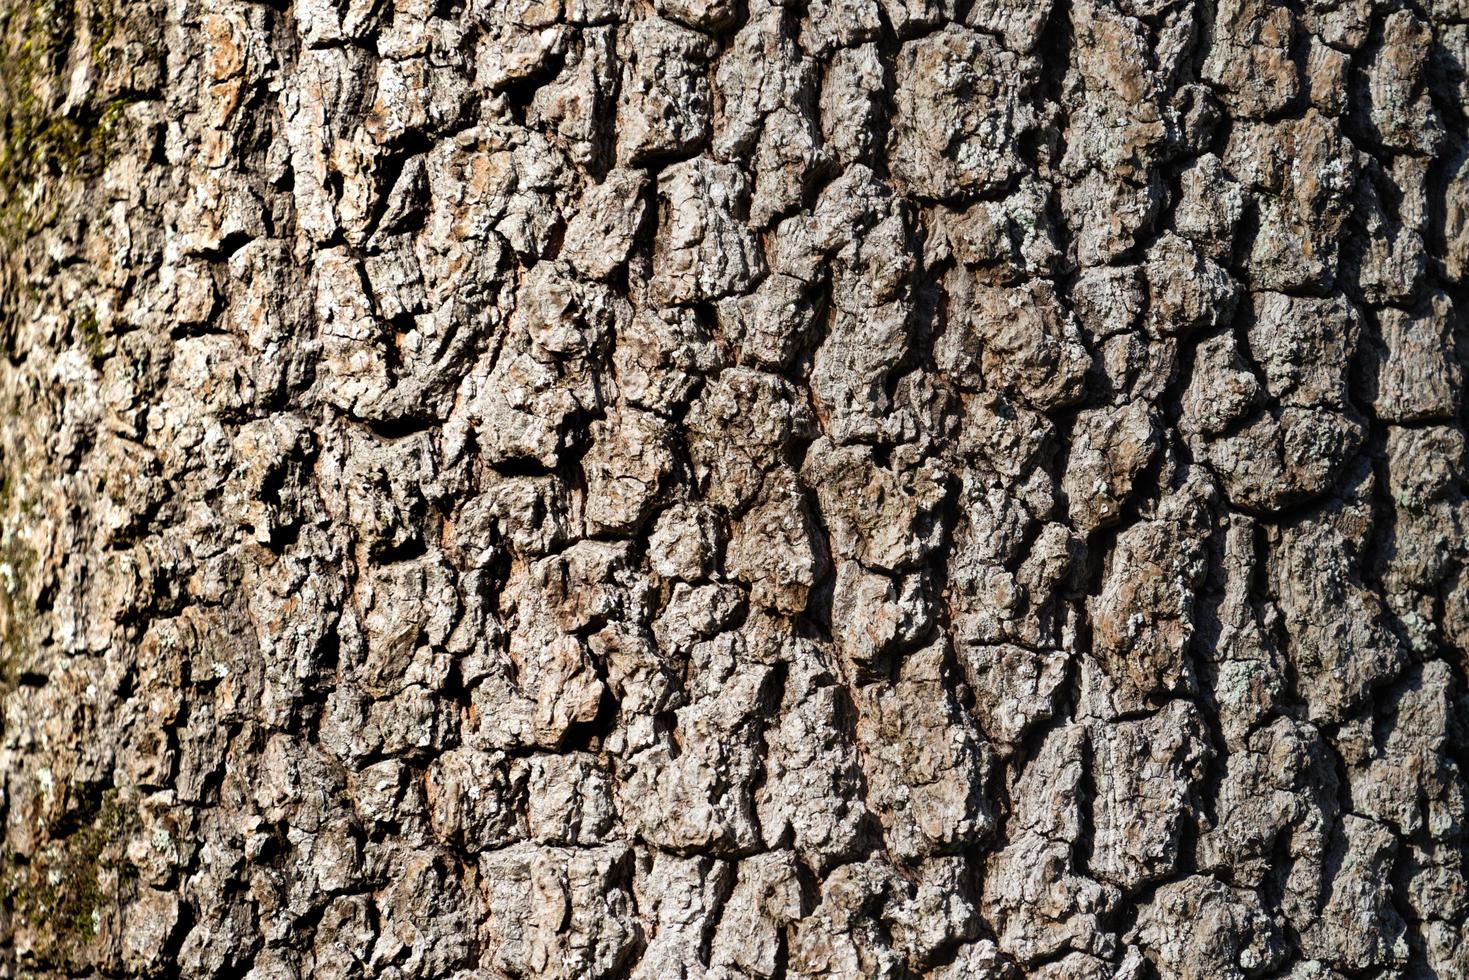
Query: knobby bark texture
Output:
(734,488)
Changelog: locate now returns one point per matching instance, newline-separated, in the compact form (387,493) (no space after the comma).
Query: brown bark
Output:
(733,488)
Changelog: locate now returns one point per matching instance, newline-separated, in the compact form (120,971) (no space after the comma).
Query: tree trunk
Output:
(734,488)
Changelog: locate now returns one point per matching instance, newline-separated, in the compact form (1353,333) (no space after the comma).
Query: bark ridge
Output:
(734,489)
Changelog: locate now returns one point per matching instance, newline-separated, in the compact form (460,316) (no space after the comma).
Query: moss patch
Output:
(64,892)
(36,54)
(90,334)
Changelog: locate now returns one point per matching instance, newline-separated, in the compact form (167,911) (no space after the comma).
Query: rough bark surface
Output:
(734,488)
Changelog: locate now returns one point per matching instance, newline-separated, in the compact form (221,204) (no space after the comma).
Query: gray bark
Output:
(734,488)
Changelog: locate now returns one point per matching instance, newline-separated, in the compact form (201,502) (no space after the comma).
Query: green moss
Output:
(64,891)
(39,142)
(90,334)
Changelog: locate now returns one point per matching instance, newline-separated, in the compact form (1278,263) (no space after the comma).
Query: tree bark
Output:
(734,488)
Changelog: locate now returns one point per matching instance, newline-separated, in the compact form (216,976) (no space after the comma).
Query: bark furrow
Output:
(952,489)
